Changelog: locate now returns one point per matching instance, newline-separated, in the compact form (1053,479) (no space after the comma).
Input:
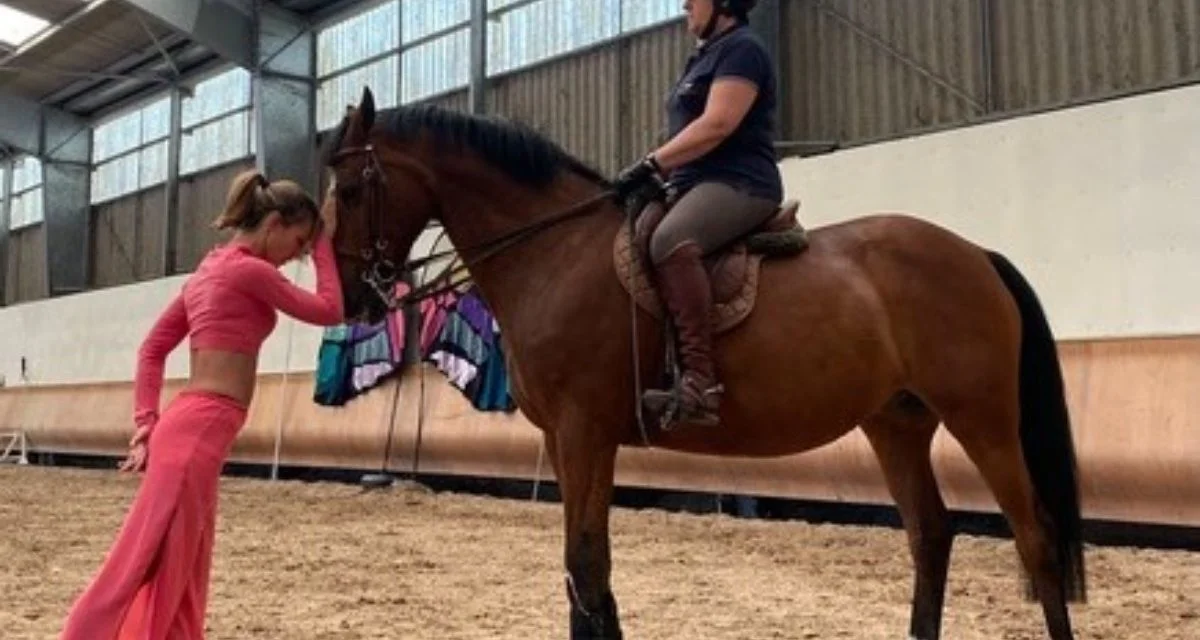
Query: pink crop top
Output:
(230,303)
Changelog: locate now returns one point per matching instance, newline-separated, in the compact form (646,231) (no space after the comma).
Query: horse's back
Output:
(947,310)
(873,306)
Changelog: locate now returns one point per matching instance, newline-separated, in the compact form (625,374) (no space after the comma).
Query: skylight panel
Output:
(17,26)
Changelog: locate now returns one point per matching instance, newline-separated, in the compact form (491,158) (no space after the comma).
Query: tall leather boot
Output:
(685,289)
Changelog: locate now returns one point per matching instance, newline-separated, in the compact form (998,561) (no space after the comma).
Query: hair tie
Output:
(265,185)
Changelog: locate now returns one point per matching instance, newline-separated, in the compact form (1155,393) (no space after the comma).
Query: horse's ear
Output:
(366,109)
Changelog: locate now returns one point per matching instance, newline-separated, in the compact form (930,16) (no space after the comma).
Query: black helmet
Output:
(736,8)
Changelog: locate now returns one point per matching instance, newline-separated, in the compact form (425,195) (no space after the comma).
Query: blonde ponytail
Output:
(242,202)
(251,197)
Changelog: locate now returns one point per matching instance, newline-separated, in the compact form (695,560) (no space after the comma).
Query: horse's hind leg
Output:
(988,433)
(901,435)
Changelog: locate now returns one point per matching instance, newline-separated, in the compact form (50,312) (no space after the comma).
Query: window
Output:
(521,33)
(409,50)
(129,151)
(27,200)
(437,66)
(546,28)
(357,52)
(217,122)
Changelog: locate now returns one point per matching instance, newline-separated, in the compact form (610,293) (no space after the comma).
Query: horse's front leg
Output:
(584,465)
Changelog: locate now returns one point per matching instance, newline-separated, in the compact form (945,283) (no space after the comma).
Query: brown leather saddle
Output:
(732,271)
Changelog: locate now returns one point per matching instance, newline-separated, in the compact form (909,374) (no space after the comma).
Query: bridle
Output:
(381,273)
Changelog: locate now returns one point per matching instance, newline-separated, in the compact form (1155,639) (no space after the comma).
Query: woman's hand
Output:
(138,450)
(136,461)
(329,212)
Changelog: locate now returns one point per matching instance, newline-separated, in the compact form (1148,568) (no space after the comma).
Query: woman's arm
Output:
(322,308)
(166,334)
(729,99)
(738,78)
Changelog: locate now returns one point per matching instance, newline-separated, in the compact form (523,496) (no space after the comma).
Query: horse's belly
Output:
(783,398)
(812,361)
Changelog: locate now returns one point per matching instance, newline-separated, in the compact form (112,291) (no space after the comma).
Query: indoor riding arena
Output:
(390,482)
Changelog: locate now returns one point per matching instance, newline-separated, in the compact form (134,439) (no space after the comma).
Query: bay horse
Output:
(884,323)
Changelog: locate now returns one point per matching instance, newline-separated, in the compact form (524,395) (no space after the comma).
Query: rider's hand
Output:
(643,174)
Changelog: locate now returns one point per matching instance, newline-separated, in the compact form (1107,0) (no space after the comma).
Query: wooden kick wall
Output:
(1132,401)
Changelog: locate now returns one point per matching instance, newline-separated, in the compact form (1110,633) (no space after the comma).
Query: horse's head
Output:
(384,199)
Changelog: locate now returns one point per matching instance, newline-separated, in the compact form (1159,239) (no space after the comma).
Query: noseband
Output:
(381,273)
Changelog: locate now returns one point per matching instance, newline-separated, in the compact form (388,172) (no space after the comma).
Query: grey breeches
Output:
(712,215)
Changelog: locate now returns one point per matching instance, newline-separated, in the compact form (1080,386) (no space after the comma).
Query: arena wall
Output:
(1096,204)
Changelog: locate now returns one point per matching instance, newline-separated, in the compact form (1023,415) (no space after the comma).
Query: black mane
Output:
(512,147)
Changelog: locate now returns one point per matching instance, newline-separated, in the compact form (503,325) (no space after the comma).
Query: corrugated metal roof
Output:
(100,54)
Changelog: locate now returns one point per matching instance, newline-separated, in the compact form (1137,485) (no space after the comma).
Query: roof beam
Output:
(46,132)
(225,26)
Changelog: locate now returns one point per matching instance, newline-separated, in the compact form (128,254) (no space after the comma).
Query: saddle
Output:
(733,271)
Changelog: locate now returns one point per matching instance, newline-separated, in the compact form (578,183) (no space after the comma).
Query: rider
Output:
(722,176)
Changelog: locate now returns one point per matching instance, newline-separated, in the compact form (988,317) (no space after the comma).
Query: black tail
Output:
(1046,430)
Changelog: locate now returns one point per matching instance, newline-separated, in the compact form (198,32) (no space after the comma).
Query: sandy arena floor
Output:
(298,561)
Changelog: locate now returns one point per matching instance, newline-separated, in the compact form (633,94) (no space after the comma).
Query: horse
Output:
(885,322)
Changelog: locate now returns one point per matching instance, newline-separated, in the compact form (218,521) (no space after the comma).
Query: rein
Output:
(381,273)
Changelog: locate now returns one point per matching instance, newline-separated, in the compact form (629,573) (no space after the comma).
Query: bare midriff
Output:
(228,373)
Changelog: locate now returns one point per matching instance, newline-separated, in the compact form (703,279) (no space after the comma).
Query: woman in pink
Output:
(154,583)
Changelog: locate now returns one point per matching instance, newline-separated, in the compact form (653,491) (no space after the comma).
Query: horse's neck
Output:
(570,252)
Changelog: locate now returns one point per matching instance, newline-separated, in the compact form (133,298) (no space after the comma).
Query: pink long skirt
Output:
(154,582)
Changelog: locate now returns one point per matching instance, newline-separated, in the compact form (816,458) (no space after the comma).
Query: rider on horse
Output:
(723,182)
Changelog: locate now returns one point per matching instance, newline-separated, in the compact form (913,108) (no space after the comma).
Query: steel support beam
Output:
(5,216)
(477,87)
(66,152)
(285,97)
(170,254)
(225,26)
(42,131)
(63,142)
(65,189)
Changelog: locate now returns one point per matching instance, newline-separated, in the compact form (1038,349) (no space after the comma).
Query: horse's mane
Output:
(510,146)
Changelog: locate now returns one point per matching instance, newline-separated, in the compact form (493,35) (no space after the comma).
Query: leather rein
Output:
(381,273)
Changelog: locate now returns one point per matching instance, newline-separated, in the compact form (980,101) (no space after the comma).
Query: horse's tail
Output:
(1046,430)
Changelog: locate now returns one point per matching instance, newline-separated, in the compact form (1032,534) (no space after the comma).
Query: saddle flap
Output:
(733,274)
(728,273)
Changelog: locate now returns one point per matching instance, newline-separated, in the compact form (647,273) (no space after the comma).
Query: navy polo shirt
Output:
(746,159)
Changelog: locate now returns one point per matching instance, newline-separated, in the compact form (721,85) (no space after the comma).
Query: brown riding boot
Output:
(685,290)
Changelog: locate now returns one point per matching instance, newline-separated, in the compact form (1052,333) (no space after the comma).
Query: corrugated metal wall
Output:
(859,70)
(574,101)
(457,100)
(127,233)
(201,199)
(851,71)
(26,265)
(653,61)
(127,239)
(604,106)
(1052,52)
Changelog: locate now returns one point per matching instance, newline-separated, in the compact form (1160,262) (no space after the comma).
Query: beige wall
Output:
(1098,205)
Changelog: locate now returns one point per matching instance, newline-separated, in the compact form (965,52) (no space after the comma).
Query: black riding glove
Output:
(641,178)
